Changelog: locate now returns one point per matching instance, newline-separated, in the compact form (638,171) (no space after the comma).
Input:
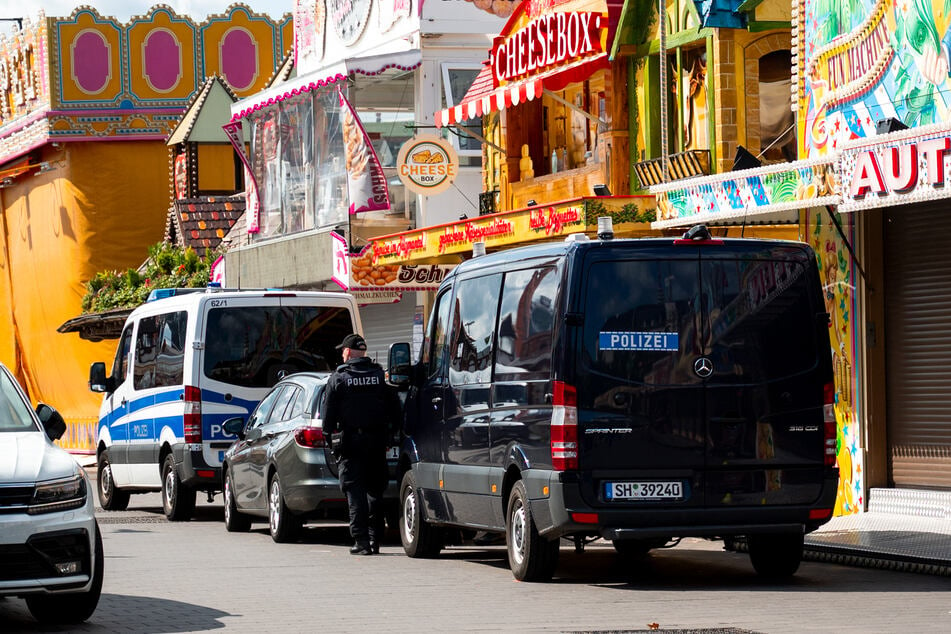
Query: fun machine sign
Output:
(911,167)
(880,59)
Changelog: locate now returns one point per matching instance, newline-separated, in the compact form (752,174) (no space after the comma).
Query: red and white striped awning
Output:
(482,98)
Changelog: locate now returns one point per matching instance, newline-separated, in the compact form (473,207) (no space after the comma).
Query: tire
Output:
(776,556)
(178,500)
(420,539)
(285,526)
(235,520)
(531,556)
(110,497)
(70,608)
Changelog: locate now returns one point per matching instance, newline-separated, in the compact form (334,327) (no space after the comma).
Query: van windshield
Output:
(252,346)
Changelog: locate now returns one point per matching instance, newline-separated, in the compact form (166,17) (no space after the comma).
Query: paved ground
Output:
(195,577)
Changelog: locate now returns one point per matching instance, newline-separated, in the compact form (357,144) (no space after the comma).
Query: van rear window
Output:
(640,320)
(647,321)
(252,346)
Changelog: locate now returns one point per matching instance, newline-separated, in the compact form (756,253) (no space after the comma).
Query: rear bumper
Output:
(194,471)
(559,514)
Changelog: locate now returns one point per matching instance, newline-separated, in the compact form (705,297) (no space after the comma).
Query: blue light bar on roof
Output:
(161,293)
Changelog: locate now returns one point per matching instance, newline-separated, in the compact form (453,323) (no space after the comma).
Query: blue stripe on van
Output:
(210,422)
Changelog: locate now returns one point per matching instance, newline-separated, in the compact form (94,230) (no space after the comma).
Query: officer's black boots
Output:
(361,549)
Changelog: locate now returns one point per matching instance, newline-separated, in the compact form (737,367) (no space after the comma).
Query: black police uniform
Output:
(366,410)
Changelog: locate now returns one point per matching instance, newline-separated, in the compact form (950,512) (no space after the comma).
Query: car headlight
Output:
(58,495)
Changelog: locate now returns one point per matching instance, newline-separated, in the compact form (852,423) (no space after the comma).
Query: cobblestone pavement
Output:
(166,577)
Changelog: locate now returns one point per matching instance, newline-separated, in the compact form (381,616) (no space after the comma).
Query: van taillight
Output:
(192,414)
(564,427)
(312,437)
(829,428)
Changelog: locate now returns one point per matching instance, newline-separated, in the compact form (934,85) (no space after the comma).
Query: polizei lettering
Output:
(367,380)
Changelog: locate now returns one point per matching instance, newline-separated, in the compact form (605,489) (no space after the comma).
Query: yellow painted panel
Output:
(215,168)
(71,65)
(261,34)
(183,33)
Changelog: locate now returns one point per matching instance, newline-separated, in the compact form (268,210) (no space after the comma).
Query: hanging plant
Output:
(167,267)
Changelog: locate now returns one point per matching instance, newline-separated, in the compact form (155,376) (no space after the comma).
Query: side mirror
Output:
(234,427)
(398,364)
(97,377)
(52,421)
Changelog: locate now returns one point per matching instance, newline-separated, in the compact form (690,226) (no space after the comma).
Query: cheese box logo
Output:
(427,165)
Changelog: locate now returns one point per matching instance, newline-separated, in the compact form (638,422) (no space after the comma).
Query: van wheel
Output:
(419,538)
(178,500)
(235,520)
(531,556)
(775,556)
(285,526)
(74,607)
(110,498)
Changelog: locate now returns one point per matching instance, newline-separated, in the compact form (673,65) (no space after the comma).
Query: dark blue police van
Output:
(635,390)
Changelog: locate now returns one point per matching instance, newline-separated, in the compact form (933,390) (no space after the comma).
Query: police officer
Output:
(361,412)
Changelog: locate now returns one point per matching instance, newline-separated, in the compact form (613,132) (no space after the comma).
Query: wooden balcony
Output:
(679,166)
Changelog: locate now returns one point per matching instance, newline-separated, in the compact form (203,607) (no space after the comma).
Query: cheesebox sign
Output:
(427,164)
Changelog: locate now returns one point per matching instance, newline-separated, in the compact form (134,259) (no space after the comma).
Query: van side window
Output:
(120,367)
(526,321)
(473,330)
(160,351)
(435,347)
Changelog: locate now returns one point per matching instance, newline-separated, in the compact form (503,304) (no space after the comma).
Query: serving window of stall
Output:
(457,78)
(386,104)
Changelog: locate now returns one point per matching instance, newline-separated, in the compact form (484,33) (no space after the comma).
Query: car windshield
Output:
(15,414)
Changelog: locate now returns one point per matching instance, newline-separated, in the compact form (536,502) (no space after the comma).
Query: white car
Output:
(50,546)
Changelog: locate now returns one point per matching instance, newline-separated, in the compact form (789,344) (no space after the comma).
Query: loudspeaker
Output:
(884,126)
(744,160)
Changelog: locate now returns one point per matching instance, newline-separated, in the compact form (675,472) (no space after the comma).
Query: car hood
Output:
(30,457)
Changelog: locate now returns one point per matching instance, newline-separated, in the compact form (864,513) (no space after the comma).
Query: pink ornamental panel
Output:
(162,57)
(239,58)
(91,61)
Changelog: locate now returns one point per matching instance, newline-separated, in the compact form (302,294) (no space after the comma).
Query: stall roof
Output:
(208,109)
(364,65)
(483,99)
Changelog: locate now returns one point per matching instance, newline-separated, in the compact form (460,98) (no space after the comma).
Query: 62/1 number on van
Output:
(643,490)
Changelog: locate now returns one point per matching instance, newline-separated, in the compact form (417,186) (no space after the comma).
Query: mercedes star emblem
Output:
(703,367)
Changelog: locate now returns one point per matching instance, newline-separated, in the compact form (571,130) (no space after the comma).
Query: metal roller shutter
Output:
(384,324)
(918,345)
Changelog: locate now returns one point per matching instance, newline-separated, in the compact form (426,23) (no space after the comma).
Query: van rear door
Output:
(763,328)
(641,430)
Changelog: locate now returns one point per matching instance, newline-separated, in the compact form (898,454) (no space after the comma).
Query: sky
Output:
(122,10)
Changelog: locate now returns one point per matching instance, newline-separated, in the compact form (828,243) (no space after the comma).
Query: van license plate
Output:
(644,490)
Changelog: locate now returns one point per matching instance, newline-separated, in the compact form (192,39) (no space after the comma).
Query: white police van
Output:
(189,359)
